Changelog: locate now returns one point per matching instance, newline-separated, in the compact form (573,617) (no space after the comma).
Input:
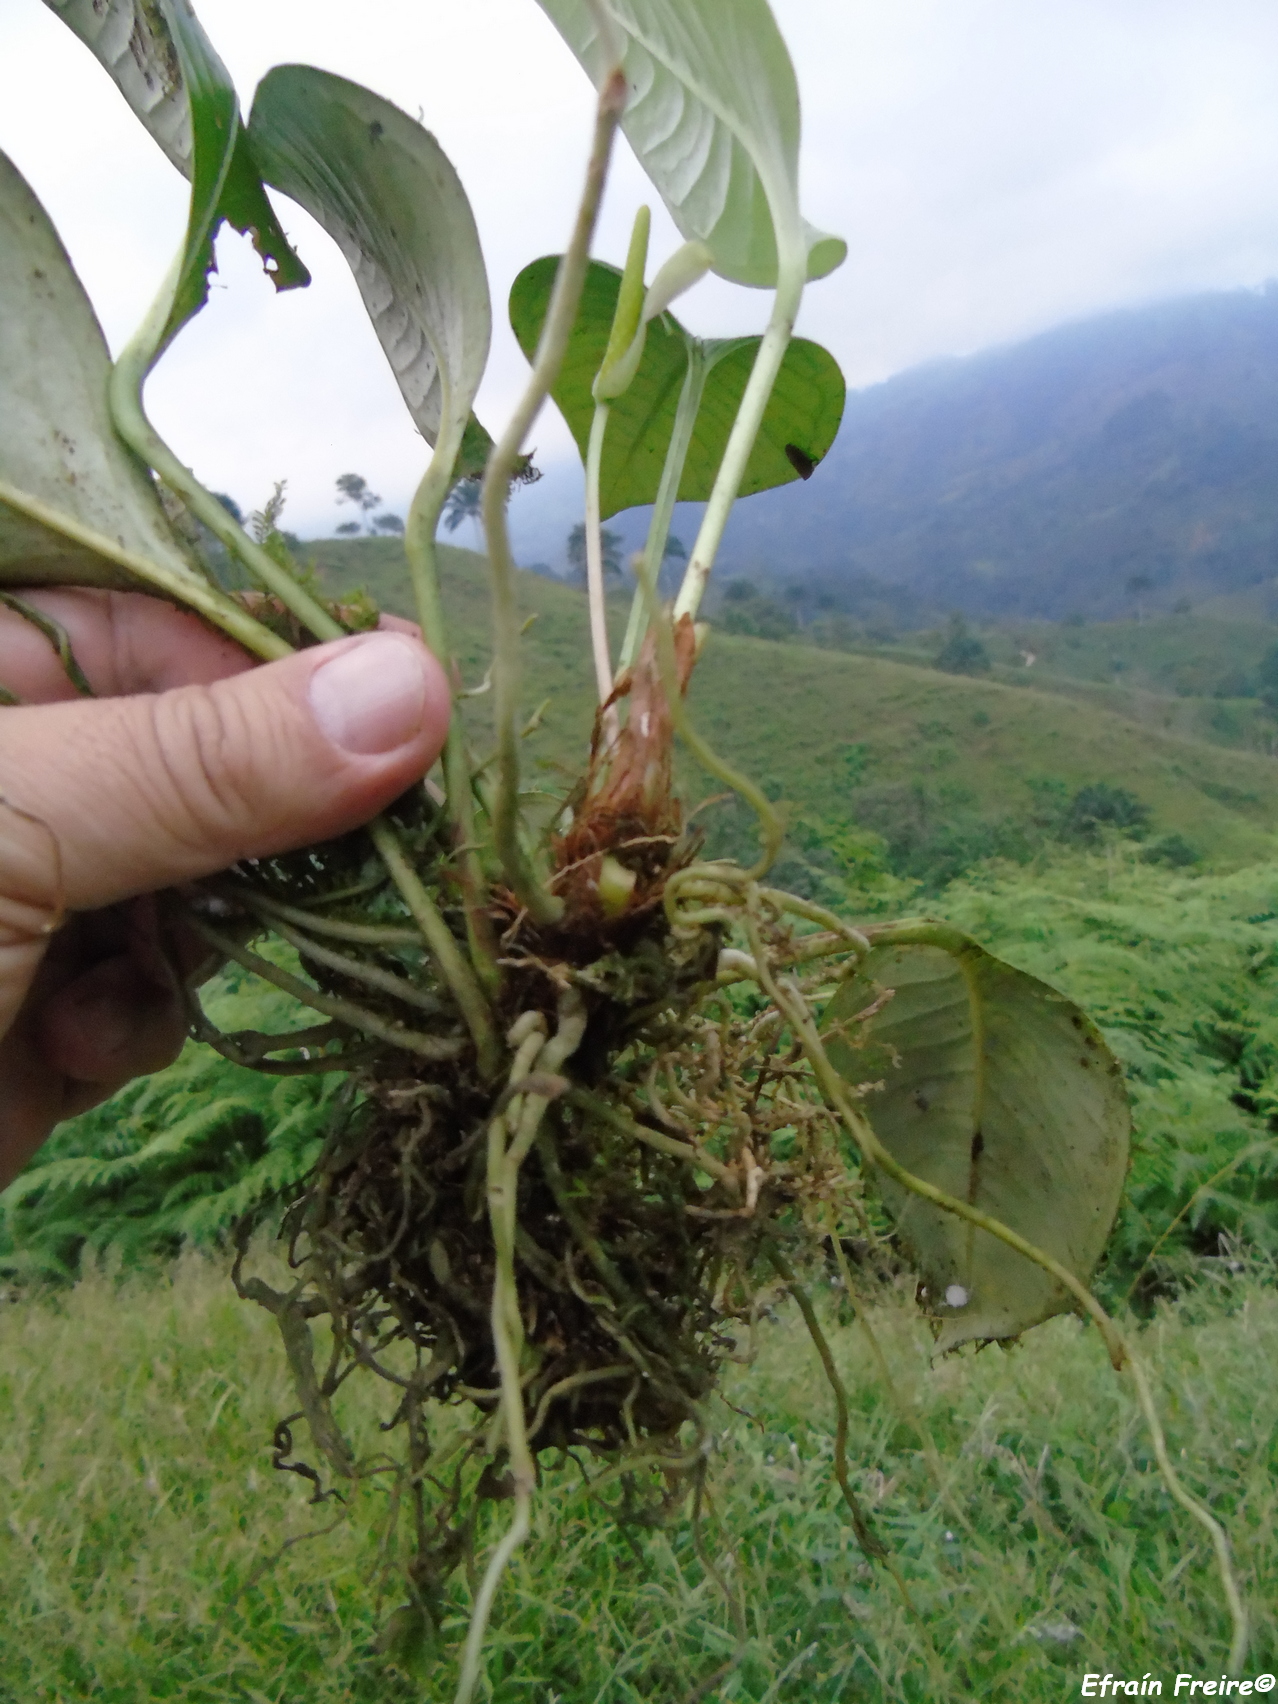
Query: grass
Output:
(1189,655)
(797,717)
(143,1551)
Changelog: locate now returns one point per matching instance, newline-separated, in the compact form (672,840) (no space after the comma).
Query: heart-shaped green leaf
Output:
(385,191)
(998,1090)
(137,43)
(713,115)
(56,440)
(802,415)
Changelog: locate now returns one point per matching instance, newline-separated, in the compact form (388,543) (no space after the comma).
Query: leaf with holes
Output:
(385,191)
(803,412)
(136,42)
(56,440)
(998,1090)
(713,115)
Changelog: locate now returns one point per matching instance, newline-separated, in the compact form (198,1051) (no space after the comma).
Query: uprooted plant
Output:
(605,1100)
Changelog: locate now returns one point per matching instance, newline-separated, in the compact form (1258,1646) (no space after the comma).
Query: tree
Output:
(672,557)
(1102,806)
(796,595)
(610,543)
(1136,585)
(463,504)
(354,488)
(962,652)
(1267,680)
(389,523)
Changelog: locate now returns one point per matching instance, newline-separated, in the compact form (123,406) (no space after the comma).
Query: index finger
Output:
(125,642)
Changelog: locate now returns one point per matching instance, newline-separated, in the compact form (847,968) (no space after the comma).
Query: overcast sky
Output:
(996,166)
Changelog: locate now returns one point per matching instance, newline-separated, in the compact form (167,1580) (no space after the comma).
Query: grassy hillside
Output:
(149,1553)
(898,746)
(1194,674)
(1189,655)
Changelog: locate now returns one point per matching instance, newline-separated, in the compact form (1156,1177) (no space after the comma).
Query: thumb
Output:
(141,793)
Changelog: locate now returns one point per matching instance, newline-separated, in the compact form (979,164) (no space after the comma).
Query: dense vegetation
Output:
(1180,971)
(149,1537)
(1097,828)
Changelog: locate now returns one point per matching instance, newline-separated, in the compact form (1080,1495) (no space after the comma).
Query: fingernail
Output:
(371,697)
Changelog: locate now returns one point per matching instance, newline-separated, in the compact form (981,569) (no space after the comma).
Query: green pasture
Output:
(150,1552)
(819,725)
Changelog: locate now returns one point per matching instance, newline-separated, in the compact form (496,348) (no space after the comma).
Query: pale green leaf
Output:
(384,190)
(803,411)
(57,443)
(137,43)
(998,1090)
(713,115)
(131,40)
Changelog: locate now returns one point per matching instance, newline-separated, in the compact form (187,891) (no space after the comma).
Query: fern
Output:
(1181,972)
(179,1158)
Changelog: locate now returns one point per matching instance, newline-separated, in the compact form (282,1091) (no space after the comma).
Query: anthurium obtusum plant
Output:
(603,1099)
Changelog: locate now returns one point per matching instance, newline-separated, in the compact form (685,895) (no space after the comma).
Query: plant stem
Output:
(872,1547)
(124,394)
(364,934)
(654,550)
(594,558)
(423,563)
(1193,1508)
(521,1119)
(542,906)
(58,638)
(601,1109)
(186,589)
(772,831)
(791,277)
(931,1454)
(346,1011)
(439,938)
(372,975)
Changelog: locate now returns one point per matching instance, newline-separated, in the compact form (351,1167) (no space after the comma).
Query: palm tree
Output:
(1136,585)
(354,488)
(462,504)
(610,549)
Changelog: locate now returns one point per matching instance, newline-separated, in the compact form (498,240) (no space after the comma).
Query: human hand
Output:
(189,759)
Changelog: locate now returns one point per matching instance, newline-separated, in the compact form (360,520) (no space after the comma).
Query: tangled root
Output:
(661,1143)
(568,1251)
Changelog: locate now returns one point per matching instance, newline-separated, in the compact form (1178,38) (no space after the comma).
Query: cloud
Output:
(996,165)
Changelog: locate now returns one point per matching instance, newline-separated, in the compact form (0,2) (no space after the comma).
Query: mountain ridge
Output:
(1038,479)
